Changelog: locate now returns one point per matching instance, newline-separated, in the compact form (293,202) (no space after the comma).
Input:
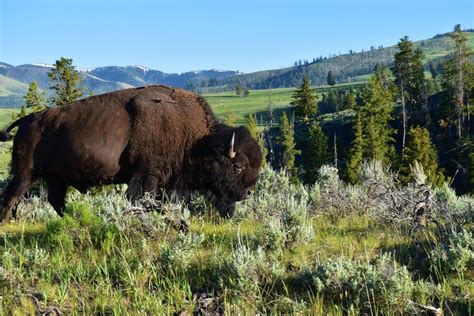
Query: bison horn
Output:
(232,153)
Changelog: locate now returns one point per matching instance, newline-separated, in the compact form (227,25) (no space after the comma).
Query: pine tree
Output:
(373,135)
(230,118)
(263,147)
(357,151)
(433,70)
(22,113)
(418,94)
(459,79)
(34,101)
(259,136)
(238,89)
(409,78)
(252,125)
(287,142)
(350,101)
(246,92)
(376,114)
(432,85)
(331,79)
(420,149)
(66,81)
(317,152)
(470,169)
(305,100)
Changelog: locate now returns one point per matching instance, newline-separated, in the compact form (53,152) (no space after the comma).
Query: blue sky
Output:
(178,36)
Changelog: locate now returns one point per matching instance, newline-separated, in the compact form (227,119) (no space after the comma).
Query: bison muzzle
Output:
(152,138)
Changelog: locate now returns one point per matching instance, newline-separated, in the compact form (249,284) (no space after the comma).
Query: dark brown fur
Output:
(151,138)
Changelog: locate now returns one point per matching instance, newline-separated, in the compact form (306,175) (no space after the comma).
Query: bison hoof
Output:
(227,211)
(183,226)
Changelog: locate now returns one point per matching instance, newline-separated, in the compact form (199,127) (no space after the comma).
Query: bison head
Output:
(230,167)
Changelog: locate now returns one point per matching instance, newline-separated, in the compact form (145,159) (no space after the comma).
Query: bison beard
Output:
(151,138)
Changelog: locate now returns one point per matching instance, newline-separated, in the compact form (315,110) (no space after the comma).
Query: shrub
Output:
(283,207)
(179,254)
(292,227)
(365,286)
(35,208)
(454,254)
(272,189)
(82,227)
(198,204)
(334,198)
(248,271)
(403,207)
(145,217)
(452,212)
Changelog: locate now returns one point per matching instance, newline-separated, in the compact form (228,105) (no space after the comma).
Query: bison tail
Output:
(5,135)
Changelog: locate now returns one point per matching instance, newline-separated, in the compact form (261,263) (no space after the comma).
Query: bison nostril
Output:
(249,193)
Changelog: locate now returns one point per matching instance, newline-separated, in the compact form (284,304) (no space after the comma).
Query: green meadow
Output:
(228,105)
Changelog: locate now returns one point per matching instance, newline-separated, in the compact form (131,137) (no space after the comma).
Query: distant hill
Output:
(346,67)
(14,80)
(9,86)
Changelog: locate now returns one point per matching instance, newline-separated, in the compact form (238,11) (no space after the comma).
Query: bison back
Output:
(110,137)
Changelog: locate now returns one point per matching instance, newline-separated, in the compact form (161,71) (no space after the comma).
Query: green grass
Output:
(101,259)
(5,148)
(127,276)
(6,117)
(440,47)
(227,105)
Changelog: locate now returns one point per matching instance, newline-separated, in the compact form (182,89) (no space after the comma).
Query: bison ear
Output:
(230,152)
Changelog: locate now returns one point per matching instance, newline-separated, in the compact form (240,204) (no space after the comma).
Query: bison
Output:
(154,138)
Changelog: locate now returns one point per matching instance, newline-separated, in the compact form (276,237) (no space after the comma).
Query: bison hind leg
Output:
(141,184)
(57,195)
(12,195)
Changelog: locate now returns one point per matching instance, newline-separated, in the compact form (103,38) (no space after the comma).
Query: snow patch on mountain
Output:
(145,69)
(43,65)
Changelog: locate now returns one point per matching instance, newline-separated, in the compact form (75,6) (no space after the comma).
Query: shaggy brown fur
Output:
(152,138)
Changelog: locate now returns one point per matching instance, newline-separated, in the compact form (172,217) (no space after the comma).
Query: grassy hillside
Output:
(99,86)
(326,249)
(346,67)
(229,105)
(10,86)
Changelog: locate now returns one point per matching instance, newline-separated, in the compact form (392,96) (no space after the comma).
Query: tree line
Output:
(65,83)
(402,118)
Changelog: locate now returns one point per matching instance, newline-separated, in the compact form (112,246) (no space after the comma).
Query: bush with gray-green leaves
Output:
(215,262)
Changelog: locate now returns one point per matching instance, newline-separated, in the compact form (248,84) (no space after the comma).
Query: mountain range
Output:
(14,80)
(350,67)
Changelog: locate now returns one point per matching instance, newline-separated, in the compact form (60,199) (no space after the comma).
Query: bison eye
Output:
(238,169)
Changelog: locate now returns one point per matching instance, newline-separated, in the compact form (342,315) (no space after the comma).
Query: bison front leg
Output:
(57,195)
(141,184)
(14,191)
(226,209)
